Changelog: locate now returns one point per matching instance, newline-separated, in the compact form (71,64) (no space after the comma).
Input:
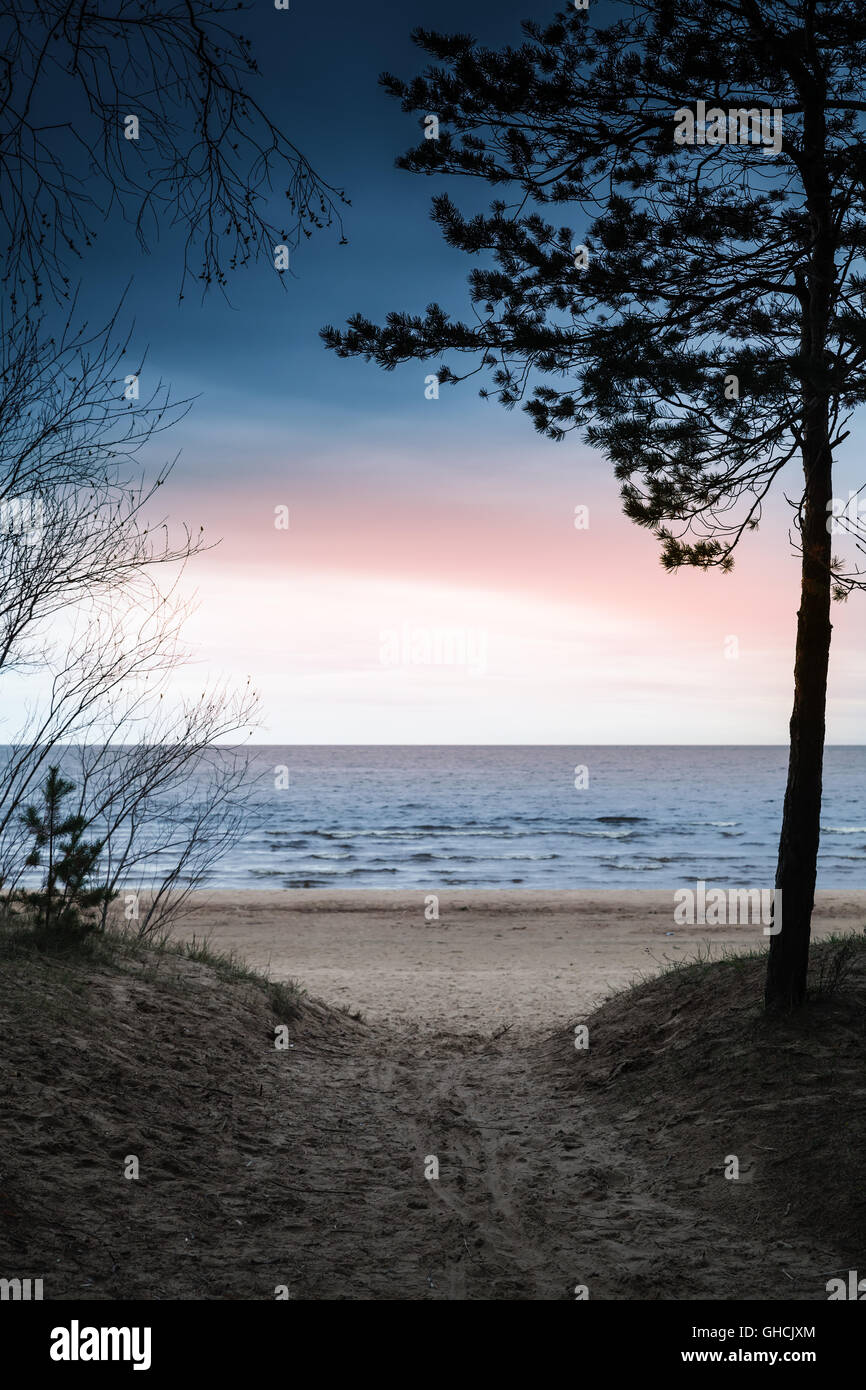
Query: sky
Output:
(431,585)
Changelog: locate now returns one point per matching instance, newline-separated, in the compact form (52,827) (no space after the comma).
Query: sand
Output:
(306,1168)
(492,960)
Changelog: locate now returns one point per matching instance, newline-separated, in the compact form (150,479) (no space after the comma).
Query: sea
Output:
(530,817)
(534,817)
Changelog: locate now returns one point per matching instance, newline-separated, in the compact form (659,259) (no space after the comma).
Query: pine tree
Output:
(705,327)
(65,899)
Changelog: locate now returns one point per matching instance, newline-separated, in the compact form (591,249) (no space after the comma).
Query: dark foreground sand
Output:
(307,1168)
(493,959)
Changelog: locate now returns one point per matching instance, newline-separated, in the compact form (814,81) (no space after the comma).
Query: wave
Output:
(622,820)
(605,834)
(407,833)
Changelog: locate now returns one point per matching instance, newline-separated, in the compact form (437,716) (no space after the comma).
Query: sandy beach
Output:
(526,960)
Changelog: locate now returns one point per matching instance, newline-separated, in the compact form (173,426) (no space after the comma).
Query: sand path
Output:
(534,1197)
(305,1167)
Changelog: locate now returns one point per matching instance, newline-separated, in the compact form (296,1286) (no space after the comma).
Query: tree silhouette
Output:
(705,326)
(77,533)
(202,153)
(79,540)
(72,861)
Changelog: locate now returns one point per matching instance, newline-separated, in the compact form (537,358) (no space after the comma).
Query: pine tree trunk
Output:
(801,819)
(797,866)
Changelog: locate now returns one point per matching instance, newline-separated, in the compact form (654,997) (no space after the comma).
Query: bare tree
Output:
(91,605)
(73,499)
(146,110)
(147,113)
(170,807)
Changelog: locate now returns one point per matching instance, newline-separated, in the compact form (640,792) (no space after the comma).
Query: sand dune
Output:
(306,1169)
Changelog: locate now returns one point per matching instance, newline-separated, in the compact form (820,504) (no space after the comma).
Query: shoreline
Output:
(494,958)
